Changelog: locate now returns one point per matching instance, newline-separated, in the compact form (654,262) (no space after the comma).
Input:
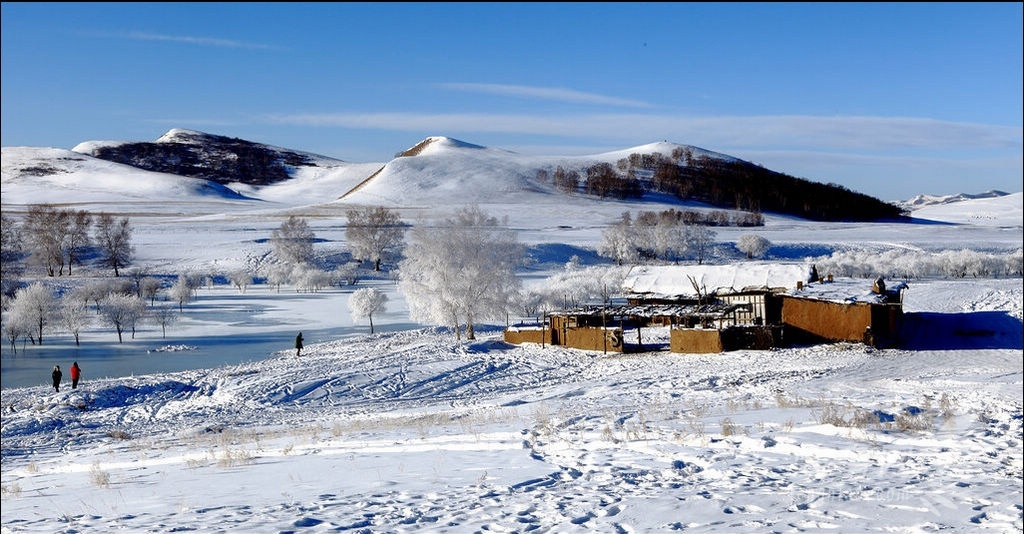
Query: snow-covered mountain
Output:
(438,171)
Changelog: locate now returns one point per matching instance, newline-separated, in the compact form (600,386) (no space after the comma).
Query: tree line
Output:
(55,239)
(671,235)
(458,273)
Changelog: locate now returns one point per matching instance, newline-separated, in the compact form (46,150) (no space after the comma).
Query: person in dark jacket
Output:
(298,344)
(76,373)
(56,374)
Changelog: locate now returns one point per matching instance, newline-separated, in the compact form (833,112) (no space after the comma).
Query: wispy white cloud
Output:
(544,93)
(848,133)
(201,41)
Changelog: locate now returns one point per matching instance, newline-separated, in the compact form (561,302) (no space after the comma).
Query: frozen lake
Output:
(222,326)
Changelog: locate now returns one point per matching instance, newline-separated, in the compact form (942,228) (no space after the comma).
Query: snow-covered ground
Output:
(411,430)
(414,431)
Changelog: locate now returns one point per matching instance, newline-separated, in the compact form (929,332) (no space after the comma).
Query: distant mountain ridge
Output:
(920,201)
(440,170)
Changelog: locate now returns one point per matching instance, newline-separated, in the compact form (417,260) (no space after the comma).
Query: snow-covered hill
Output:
(438,172)
(51,175)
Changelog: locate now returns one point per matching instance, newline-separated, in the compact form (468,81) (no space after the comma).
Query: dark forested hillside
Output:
(734,184)
(743,185)
(211,157)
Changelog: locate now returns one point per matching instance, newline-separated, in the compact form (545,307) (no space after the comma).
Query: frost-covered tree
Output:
(279,273)
(182,291)
(701,240)
(373,233)
(34,305)
(11,243)
(15,327)
(345,274)
(461,271)
(582,285)
(164,316)
(753,245)
(241,279)
(74,315)
(671,238)
(293,241)
(149,287)
(114,239)
(366,302)
(310,279)
(122,312)
(618,241)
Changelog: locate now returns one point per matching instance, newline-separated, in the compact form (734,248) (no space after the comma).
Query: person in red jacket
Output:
(76,373)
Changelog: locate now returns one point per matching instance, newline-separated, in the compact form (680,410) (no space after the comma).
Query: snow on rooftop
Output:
(847,290)
(675,280)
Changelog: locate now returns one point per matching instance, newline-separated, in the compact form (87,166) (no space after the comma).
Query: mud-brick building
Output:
(715,308)
(844,310)
(748,291)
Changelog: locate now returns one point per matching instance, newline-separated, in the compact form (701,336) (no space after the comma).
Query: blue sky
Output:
(887,99)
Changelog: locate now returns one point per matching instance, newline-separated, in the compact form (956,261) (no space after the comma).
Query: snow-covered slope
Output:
(997,210)
(416,432)
(439,170)
(51,175)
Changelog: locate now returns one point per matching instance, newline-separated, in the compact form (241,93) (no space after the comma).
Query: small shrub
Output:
(728,427)
(118,434)
(10,490)
(99,477)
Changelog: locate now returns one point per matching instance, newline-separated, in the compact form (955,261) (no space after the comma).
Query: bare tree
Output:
(461,271)
(373,233)
(367,301)
(46,229)
(78,236)
(293,241)
(114,239)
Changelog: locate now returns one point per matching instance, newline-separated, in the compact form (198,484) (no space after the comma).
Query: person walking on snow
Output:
(76,373)
(298,344)
(56,374)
